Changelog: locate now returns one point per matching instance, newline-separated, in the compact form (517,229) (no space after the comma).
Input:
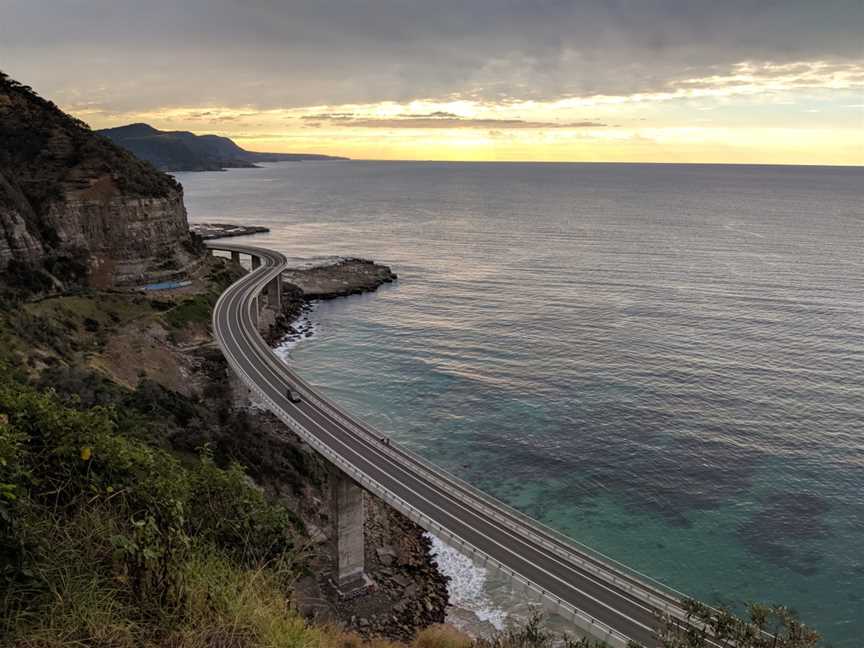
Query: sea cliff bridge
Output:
(602,597)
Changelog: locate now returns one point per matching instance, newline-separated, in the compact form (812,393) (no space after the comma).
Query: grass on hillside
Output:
(106,539)
(191,311)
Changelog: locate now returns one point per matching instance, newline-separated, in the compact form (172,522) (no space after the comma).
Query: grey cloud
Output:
(444,120)
(129,55)
(330,117)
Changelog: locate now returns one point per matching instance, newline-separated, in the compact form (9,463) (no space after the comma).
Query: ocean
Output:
(664,362)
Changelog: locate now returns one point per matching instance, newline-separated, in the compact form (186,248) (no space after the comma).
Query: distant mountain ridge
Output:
(185,151)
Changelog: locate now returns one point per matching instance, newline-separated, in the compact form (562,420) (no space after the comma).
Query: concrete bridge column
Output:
(274,293)
(256,310)
(348,519)
(256,262)
(235,257)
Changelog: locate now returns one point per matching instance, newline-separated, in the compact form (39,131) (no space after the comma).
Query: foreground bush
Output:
(102,534)
(767,626)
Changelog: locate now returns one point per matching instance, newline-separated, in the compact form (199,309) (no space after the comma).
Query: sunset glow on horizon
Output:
(781,86)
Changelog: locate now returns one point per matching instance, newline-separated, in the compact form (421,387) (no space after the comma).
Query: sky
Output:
(708,81)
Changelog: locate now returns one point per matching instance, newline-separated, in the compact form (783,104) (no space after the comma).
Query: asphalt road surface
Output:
(596,593)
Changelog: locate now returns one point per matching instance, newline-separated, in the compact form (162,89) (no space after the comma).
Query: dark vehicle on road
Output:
(293,396)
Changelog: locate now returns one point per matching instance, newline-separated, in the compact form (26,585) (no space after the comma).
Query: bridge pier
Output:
(256,262)
(348,520)
(235,257)
(274,293)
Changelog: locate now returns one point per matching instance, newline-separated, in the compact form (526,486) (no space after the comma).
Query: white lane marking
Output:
(330,410)
(446,514)
(581,571)
(273,260)
(277,369)
(597,564)
(572,560)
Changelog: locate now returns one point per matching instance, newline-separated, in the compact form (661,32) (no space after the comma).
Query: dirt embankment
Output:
(155,352)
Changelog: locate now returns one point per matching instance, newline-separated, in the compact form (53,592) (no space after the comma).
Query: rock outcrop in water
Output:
(77,210)
(340,277)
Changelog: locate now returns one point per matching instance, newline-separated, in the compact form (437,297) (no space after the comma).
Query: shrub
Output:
(26,278)
(227,511)
(92,521)
(768,626)
(194,310)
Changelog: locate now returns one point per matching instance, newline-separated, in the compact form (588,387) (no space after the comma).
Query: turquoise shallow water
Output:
(666,362)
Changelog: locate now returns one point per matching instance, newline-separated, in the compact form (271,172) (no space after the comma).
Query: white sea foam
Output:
(467,583)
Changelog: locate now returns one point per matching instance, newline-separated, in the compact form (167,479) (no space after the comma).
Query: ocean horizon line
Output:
(598,163)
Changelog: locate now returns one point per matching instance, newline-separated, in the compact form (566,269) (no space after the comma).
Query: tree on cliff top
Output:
(42,149)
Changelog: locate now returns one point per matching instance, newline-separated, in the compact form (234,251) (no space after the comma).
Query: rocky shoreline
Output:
(302,287)
(409,592)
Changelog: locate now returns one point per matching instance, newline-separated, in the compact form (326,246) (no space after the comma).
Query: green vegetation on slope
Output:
(194,310)
(105,540)
(90,516)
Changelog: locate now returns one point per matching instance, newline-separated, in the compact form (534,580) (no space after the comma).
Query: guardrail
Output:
(642,587)
(565,545)
(580,619)
(648,589)
(583,621)
(639,585)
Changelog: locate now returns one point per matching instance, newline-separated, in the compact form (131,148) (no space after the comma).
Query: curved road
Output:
(600,596)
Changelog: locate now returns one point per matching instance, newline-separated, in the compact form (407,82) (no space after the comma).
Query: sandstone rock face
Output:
(66,192)
(128,239)
(16,241)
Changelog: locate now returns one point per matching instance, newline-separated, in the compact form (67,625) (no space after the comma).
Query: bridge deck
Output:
(601,597)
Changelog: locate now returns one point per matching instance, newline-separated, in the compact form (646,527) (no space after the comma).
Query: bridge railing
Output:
(580,619)
(638,584)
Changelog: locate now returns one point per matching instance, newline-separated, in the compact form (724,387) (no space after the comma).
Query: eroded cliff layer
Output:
(79,209)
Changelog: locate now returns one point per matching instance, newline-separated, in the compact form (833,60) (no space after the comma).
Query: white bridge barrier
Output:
(639,586)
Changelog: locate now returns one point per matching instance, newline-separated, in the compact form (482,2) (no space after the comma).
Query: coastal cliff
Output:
(113,393)
(76,208)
